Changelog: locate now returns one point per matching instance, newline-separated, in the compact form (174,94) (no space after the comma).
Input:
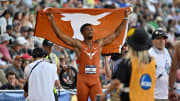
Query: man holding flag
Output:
(88,53)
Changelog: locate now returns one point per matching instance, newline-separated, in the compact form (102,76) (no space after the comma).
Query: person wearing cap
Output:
(18,47)
(42,79)
(4,41)
(9,30)
(26,59)
(16,67)
(163,63)
(51,57)
(136,72)
(24,31)
(115,60)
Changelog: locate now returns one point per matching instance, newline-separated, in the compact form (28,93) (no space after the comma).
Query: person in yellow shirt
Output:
(136,72)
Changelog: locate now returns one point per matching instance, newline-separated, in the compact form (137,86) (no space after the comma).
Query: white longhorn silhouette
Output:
(90,54)
(79,19)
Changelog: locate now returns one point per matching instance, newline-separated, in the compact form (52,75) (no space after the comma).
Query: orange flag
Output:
(69,21)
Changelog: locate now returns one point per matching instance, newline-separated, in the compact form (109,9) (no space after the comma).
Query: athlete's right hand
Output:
(103,97)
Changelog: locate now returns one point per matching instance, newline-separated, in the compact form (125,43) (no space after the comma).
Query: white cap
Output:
(4,37)
(154,1)
(21,41)
(159,18)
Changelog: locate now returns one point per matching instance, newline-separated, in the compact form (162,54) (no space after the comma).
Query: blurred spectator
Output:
(26,59)
(31,40)
(17,17)
(9,30)
(121,3)
(5,19)
(110,4)
(152,5)
(3,79)
(4,40)
(32,19)
(171,24)
(25,20)
(177,34)
(160,23)
(3,6)
(117,58)
(105,72)
(58,50)
(12,6)
(17,28)
(18,47)
(24,31)
(171,36)
(64,58)
(27,3)
(12,82)
(16,67)
(88,3)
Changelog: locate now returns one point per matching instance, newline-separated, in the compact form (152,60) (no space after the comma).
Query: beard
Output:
(90,38)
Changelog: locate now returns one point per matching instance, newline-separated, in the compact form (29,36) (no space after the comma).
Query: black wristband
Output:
(171,88)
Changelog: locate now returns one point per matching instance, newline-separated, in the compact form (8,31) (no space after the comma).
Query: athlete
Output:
(88,53)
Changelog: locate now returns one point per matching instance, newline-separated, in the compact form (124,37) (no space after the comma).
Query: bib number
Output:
(90,69)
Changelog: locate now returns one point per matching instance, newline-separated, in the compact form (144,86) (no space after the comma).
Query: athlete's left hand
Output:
(173,95)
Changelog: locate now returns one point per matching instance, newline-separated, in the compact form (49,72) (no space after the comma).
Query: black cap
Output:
(140,40)
(24,29)
(9,27)
(158,34)
(31,30)
(47,43)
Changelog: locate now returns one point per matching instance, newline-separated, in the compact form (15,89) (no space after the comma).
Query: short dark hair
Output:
(10,73)
(47,43)
(38,52)
(82,27)
(6,12)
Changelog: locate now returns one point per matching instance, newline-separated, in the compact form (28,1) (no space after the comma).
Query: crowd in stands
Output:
(18,19)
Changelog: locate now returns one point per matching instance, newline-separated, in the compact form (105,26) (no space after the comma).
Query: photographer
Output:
(41,76)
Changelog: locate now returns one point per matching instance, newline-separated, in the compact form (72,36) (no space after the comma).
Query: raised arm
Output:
(174,66)
(109,39)
(173,70)
(66,39)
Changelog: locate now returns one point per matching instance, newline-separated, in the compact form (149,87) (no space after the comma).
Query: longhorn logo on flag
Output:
(69,21)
